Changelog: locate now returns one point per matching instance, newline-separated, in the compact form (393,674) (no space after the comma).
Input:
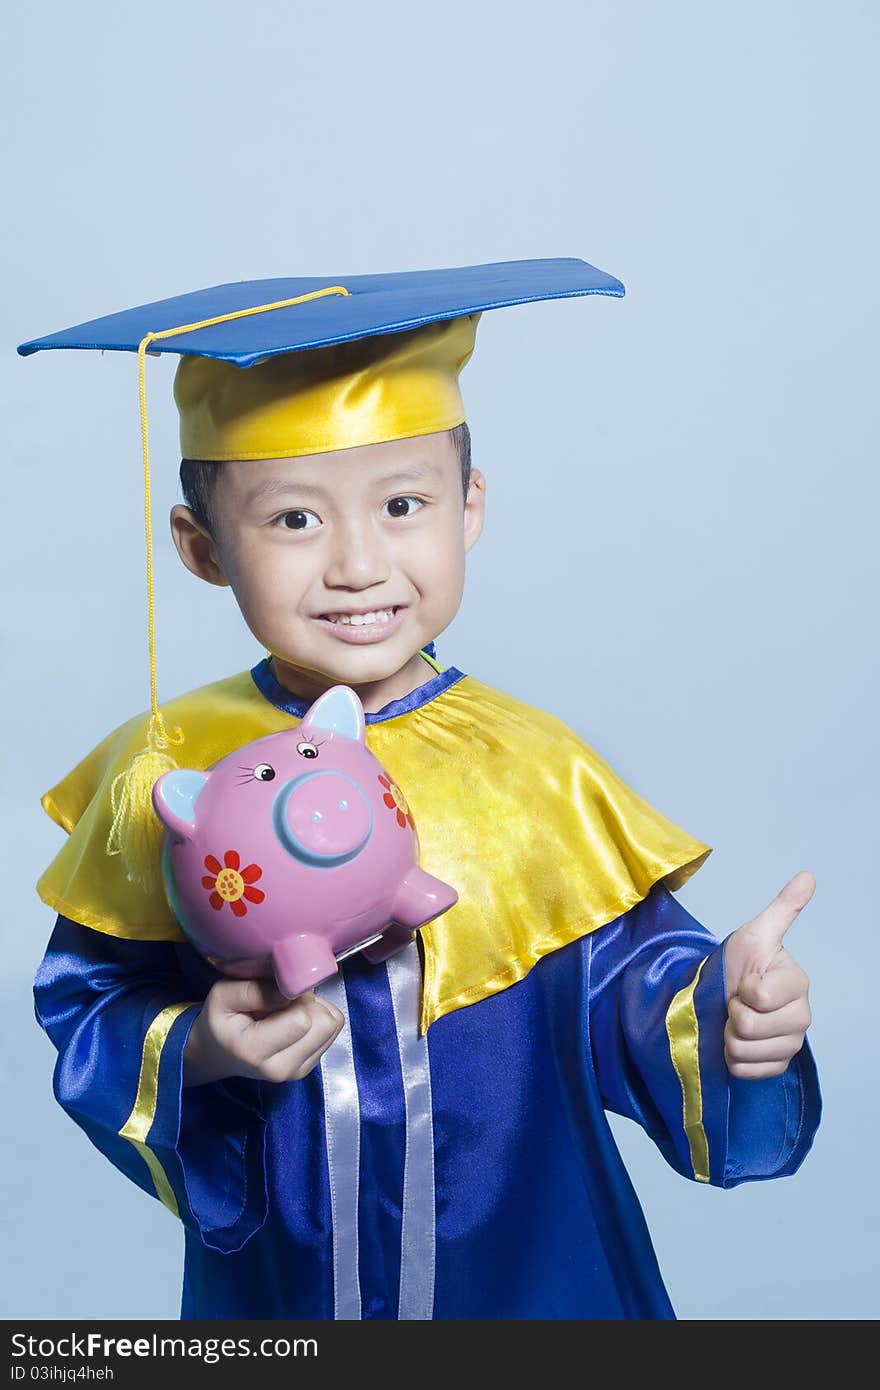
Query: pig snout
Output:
(322,818)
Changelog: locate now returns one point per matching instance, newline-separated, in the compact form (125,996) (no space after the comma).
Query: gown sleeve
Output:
(657,1014)
(119,1014)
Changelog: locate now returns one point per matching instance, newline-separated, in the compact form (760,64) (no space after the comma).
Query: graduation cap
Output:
(361,361)
(281,368)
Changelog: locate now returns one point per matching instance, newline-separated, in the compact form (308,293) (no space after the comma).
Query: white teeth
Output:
(380,615)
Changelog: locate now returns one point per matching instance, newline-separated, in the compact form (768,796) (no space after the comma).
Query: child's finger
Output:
(779,1049)
(337,1017)
(310,999)
(294,1067)
(248,996)
(775,988)
(750,1024)
(767,930)
(284,1028)
(317,1007)
(756,1071)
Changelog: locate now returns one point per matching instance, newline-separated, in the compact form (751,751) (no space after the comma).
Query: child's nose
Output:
(359,558)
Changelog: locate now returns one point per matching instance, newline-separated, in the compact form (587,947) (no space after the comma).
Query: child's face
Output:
(382,529)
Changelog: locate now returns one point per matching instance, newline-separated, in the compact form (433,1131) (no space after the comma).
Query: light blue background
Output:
(680,556)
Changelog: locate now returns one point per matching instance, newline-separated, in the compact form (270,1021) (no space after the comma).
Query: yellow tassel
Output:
(136,831)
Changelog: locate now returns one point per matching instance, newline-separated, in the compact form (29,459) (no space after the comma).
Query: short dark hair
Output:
(198,478)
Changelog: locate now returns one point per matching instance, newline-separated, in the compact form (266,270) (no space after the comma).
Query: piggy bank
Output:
(295,851)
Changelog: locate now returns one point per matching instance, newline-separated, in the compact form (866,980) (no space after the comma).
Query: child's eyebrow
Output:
(417,472)
(272,487)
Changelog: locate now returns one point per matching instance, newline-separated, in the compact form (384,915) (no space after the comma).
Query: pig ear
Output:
(338,711)
(174,800)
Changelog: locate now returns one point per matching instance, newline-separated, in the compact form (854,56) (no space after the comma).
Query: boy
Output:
(424,1138)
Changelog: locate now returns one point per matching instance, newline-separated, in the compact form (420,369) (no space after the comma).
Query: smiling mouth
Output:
(371,617)
(369,626)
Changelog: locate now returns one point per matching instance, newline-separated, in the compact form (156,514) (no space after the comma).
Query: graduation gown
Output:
(450,1157)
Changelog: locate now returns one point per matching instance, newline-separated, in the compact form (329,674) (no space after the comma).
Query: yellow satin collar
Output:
(541,839)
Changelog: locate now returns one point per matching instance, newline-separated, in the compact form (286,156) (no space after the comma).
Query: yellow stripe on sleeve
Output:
(683,1031)
(140,1121)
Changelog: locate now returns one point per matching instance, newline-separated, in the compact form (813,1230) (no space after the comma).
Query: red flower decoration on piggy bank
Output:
(229,886)
(396,801)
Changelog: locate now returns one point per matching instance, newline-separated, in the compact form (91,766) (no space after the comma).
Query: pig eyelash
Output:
(248,775)
(313,741)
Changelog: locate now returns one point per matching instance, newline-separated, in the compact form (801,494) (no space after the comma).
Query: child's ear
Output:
(196,547)
(474,508)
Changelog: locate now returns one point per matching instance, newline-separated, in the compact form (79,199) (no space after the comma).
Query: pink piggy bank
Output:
(294,852)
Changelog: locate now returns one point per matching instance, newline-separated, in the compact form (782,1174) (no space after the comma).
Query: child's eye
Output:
(298,520)
(403,506)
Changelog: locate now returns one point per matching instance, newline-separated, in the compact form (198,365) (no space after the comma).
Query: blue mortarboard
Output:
(373,304)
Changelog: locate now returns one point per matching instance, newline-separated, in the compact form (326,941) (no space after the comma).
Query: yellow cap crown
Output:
(368,391)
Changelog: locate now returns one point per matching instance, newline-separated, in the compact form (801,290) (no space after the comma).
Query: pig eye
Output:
(307,750)
(264,773)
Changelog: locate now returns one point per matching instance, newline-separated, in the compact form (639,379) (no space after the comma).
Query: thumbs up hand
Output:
(767,1009)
